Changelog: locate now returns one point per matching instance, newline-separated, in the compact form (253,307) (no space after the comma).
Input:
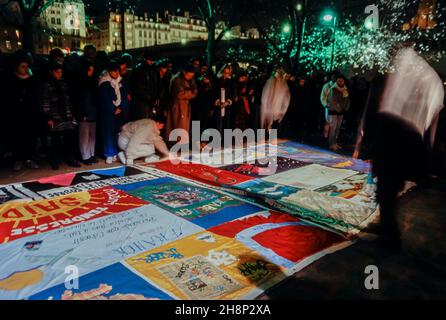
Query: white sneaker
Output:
(109,160)
(122,158)
(152,158)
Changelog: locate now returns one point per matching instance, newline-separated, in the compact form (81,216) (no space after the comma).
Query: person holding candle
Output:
(224,117)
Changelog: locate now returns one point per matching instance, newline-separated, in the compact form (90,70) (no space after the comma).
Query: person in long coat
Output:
(276,99)
(21,107)
(183,88)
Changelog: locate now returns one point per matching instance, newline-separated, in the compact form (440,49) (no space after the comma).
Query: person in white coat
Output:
(142,139)
(276,99)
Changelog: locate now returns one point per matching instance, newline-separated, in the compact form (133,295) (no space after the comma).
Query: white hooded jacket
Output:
(276,99)
(144,138)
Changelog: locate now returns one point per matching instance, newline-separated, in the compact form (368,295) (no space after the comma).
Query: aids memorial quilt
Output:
(24,219)
(189,231)
(265,167)
(34,263)
(205,207)
(115,282)
(281,238)
(72,182)
(201,173)
(206,266)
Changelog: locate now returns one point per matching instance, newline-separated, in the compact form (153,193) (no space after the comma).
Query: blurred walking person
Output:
(276,98)
(407,123)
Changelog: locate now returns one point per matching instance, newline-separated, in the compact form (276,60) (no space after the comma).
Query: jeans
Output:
(335,122)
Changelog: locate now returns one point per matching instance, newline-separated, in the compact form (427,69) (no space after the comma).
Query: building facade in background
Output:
(145,31)
(10,39)
(62,24)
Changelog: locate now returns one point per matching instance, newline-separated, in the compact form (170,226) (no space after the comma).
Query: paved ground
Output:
(419,271)
(7,176)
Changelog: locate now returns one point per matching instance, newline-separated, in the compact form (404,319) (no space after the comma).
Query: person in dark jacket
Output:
(87,110)
(144,88)
(241,106)
(110,101)
(22,108)
(164,88)
(224,95)
(255,86)
(202,106)
(57,111)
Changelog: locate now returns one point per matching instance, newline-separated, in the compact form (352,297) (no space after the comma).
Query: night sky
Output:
(97,7)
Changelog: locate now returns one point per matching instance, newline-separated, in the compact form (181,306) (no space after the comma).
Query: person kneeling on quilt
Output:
(142,139)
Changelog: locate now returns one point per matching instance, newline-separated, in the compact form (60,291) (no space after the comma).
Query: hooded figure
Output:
(276,99)
(414,93)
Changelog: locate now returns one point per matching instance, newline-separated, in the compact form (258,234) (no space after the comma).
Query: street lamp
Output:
(286,28)
(329,17)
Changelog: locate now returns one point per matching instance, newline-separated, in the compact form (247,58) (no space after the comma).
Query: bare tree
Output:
(280,24)
(22,15)
(230,12)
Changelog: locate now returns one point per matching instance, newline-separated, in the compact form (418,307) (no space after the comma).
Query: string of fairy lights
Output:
(358,46)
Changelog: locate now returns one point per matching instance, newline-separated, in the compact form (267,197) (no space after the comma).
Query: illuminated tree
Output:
(362,48)
(280,24)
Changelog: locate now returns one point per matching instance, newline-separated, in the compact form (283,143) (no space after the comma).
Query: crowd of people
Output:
(76,107)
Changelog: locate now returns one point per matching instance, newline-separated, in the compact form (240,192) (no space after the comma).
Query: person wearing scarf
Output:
(109,110)
(338,104)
